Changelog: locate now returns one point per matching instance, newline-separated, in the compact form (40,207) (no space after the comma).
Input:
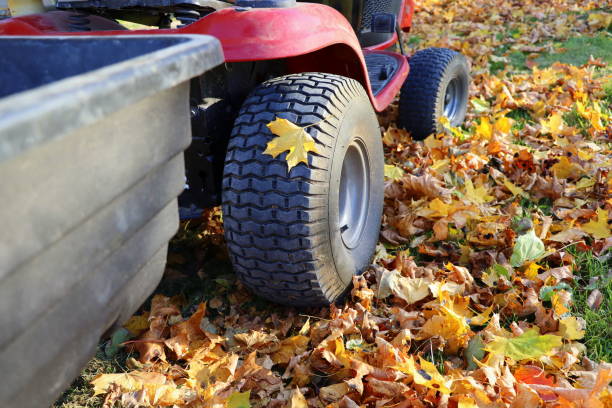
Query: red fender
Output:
(311,37)
(406,15)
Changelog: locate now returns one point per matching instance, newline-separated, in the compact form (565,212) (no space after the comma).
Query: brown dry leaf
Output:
(333,393)
(411,290)
(594,299)
(289,348)
(256,339)
(423,186)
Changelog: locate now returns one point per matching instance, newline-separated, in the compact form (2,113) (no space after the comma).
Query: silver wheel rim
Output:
(354,194)
(452,99)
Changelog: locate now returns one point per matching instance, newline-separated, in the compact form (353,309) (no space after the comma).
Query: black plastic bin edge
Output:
(113,88)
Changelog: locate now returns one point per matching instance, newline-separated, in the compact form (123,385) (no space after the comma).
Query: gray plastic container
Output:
(92,134)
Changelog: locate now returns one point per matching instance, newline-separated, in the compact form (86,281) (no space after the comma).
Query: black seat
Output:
(360,13)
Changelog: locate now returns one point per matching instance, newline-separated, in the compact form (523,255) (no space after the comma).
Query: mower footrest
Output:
(381,69)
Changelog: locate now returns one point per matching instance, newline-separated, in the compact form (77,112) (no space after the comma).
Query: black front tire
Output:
(286,231)
(437,85)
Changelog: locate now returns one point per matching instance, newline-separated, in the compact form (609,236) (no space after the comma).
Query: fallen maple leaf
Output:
(133,381)
(423,186)
(571,328)
(564,168)
(393,172)
(478,195)
(598,228)
(239,400)
(529,345)
(292,138)
(427,374)
(529,374)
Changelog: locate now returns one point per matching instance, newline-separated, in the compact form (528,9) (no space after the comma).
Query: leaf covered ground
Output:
(491,284)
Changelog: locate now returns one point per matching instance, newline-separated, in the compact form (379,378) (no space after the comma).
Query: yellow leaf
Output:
(484,130)
(455,131)
(560,302)
(305,328)
(564,168)
(239,400)
(580,108)
(290,137)
(529,345)
(596,116)
(429,376)
(297,399)
(138,324)
(598,228)
(531,272)
(585,182)
(448,325)
(554,124)
(503,125)
(477,195)
(570,328)
(289,348)
(440,166)
(445,122)
(584,155)
(393,172)
(599,20)
(515,190)
(466,402)
(481,319)
(432,142)
(134,381)
(439,208)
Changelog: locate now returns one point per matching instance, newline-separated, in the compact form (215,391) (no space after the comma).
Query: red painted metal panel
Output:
(309,35)
(407,12)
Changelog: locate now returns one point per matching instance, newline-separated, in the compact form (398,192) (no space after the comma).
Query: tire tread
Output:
(275,221)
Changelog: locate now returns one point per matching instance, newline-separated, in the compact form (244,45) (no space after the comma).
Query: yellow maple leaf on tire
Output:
(290,137)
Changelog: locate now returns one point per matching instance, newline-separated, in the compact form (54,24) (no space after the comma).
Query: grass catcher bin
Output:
(92,134)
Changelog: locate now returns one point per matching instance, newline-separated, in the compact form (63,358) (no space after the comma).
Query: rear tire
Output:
(298,237)
(437,85)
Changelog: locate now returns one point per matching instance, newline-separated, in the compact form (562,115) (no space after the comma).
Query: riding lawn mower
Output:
(294,236)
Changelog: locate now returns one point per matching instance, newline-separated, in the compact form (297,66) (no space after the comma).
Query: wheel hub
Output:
(452,99)
(354,194)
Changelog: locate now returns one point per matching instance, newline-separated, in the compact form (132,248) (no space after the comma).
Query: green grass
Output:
(577,50)
(598,337)
(608,91)
(521,118)
(80,392)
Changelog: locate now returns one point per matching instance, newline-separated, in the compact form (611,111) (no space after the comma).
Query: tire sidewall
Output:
(360,122)
(457,68)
